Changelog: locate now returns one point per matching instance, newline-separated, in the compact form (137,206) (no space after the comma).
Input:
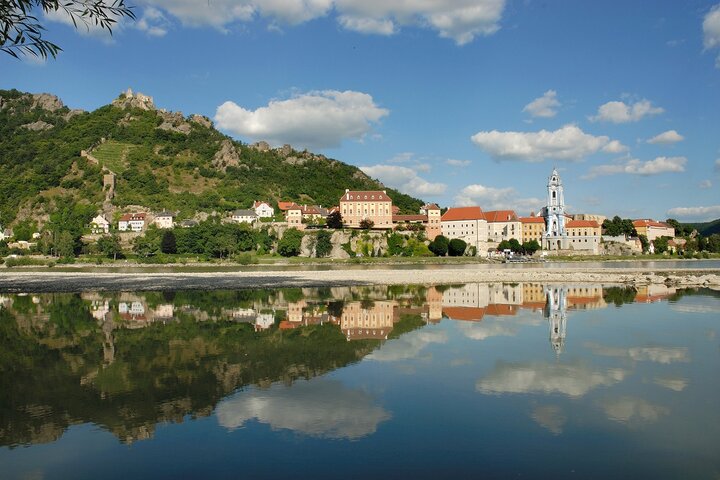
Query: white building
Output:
(469,225)
(134,222)
(165,220)
(503,225)
(99,224)
(263,209)
(244,216)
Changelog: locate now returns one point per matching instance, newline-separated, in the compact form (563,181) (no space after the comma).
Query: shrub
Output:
(456,247)
(289,244)
(439,246)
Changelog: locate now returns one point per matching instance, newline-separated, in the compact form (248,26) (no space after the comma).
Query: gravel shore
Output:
(53,281)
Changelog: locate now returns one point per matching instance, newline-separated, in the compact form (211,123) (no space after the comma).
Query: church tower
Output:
(554,213)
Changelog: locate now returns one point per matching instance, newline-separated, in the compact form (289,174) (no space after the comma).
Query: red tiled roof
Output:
(257,203)
(285,205)
(362,196)
(500,216)
(532,220)
(395,209)
(467,314)
(410,218)
(582,223)
(649,223)
(431,206)
(132,217)
(501,309)
(463,213)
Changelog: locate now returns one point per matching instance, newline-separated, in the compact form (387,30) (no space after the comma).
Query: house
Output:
(313,213)
(533,228)
(99,225)
(285,206)
(188,223)
(469,225)
(263,209)
(165,220)
(294,217)
(653,229)
(503,225)
(583,235)
(373,205)
(134,222)
(244,216)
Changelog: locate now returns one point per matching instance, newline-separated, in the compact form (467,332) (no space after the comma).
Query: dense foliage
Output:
(456,247)
(618,226)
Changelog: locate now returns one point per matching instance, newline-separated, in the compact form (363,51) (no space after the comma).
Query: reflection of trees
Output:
(619,295)
(53,373)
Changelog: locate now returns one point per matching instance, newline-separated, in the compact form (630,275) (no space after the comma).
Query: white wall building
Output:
(263,209)
(469,225)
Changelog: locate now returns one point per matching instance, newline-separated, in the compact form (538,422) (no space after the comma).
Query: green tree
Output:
(109,245)
(21,31)
(168,244)
(395,242)
(530,247)
(24,230)
(366,224)
(65,245)
(289,244)
(456,247)
(439,246)
(644,242)
(323,245)
(515,245)
(145,245)
(661,244)
(334,220)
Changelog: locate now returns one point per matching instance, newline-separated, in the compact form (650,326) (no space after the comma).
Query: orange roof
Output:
(285,205)
(431,206)
(500,216)
(463,213)
(582,223)
(361,196)
(532,220)
(468,314)
(257,203)
(132,216)
(649,223)
(501,309)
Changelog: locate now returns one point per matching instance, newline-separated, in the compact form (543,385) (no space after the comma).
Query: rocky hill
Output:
(61,167)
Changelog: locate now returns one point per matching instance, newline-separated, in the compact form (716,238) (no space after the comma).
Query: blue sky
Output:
(460,102)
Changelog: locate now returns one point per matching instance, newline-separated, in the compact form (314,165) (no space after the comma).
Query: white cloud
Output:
(318,408)
(460,20)
(663,355)
(457,163)
(545,106)
(572,379)
(666,138)
(490,198)
(698,213)
(615,147)
(319,119)
(402,157)
(626,409)
(620,112)
(85,26)
(404,179)
(153,22)
(676,384)
(487,329)
(408,346)
(550,417)
(566,143)
(705,184)
(711,28)
(634,166)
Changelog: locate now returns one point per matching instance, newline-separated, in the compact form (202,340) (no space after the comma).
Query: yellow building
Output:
(653,229)
(532,229)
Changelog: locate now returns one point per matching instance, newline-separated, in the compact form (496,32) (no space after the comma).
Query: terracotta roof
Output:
(431,206)
(285,205)
(257,203)
(132,217)
(500,216)
(649,223)
(582,223)
(395,209)
(409,218)
(532,220)
(463,213)
(467,314)
(501,309)
(362,196)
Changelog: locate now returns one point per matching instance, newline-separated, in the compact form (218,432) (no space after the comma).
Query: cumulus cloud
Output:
(627,409)
(676,384)
(459,20)
(491,198)
(571,379)
(318,408)
(566,143)
(634,166)
(705,184)
(318,119)
(408,346)
(545,106)
(85,26)
(487,329)
(667,138)
(615,147)
(620,112)
(404,179)
(711,28)
(699,213)
(457,163)
(655,354)
(550,417)
(153,22)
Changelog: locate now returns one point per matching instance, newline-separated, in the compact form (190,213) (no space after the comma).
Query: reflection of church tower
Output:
(554,212)
(556,313)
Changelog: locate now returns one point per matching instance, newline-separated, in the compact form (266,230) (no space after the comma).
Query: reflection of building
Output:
(556,313)
(362,321)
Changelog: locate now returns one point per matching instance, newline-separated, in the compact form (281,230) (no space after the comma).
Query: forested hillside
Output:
(161,161)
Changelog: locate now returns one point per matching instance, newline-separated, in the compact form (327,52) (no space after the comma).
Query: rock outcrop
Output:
(38,126)
(201,120)
(227,156)
(130,99)
(46,101)
(174,122)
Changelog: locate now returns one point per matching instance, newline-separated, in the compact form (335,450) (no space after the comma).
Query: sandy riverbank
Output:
(50,281)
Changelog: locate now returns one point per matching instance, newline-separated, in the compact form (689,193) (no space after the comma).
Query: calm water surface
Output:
(472,381)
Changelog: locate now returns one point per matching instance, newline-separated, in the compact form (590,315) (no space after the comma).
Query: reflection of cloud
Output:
(641,354)
(408,346)
(574,380)
(715,309)
(459,362)
(319,408)
(550,417)
(625,409)
(481,331)
(673,383)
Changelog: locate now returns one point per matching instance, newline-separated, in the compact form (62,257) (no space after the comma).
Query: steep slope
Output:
(53,162)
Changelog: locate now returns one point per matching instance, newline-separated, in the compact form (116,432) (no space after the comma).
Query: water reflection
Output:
(128,362)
